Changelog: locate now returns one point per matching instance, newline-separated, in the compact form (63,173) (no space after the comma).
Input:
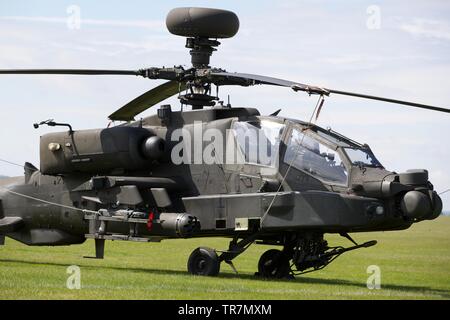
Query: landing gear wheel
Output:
(274,264)
(204,262)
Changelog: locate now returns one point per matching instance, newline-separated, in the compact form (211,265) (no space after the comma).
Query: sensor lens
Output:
(379,210)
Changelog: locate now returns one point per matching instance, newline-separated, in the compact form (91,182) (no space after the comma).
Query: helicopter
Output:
(212,171)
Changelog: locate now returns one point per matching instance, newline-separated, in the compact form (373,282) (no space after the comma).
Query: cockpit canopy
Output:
(308,154)
(322,154)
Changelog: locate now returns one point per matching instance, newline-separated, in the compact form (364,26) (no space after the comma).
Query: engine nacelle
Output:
(98,151)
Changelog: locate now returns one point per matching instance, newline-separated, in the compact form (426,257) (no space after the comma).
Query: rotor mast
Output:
(201,51)
(199,92)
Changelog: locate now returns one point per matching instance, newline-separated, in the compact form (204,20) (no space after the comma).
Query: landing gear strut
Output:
(302,255)
(205,261)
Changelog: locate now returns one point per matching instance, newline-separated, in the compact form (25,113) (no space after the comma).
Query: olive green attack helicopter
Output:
(251,178)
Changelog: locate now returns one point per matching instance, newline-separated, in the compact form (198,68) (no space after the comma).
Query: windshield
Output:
(307,154)
(361,157)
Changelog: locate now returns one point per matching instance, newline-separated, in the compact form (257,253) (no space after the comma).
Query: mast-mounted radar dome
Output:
(202,23)
(202,27)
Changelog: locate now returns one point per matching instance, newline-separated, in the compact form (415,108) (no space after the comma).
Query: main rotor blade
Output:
(147,100)
(251,79)
(71,71)
(406,103)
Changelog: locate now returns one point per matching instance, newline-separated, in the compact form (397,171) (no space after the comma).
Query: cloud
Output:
(428,28)
(148,24)
(148,44)
(15,55)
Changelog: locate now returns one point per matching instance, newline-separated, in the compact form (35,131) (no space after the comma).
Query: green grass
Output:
(415,264)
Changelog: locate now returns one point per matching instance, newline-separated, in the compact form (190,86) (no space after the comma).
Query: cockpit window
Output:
(362,157)
(259,141)
(307,154)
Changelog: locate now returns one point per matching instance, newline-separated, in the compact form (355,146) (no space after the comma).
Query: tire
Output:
(204,262)
(273,264)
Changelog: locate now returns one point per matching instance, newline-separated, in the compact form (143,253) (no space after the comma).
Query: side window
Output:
(259,142)
(307,154)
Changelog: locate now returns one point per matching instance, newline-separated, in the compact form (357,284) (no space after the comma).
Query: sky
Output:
(398,49)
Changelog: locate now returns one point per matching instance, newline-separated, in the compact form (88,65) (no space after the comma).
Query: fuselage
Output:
(231,169)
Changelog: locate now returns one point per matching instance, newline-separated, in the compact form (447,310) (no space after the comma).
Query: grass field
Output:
(415,264)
